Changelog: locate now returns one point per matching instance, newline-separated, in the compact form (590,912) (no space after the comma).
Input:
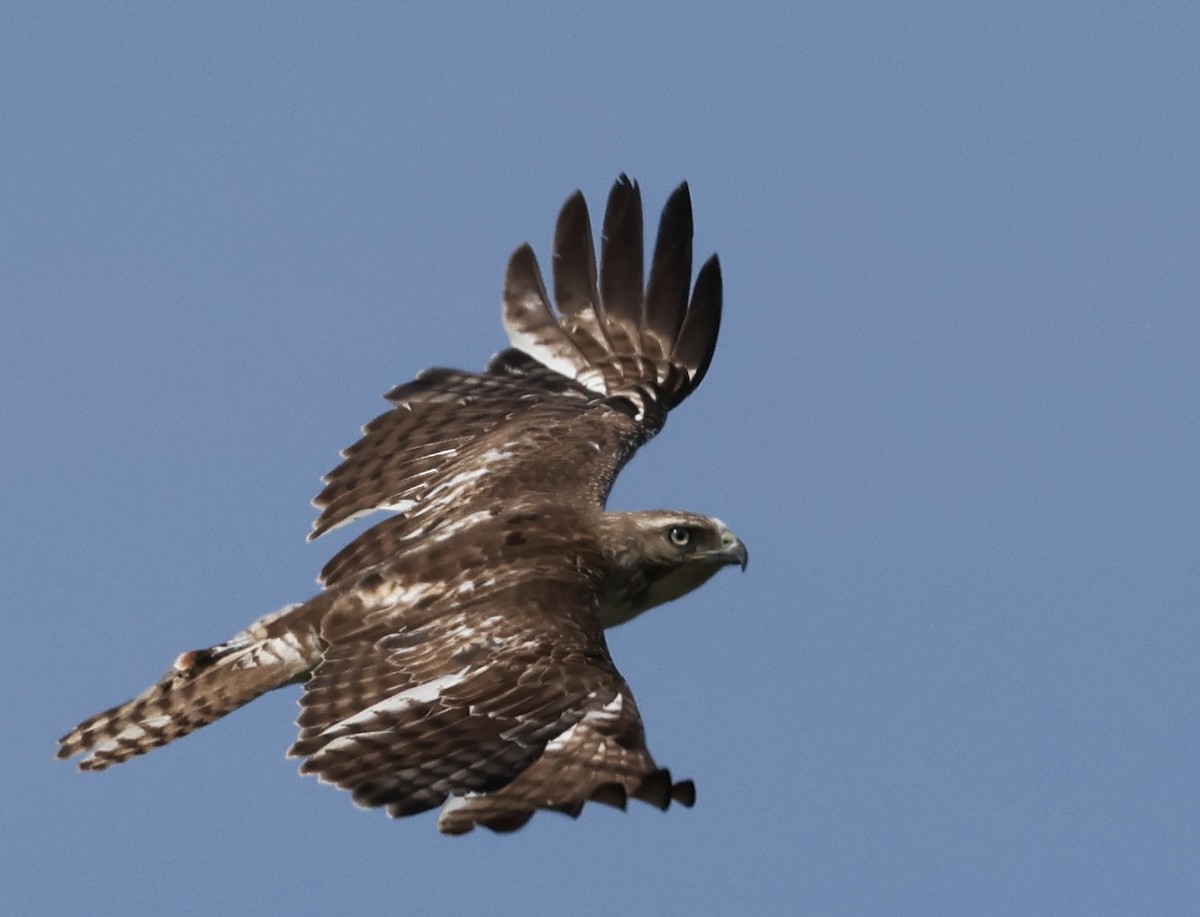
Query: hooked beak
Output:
(733,551)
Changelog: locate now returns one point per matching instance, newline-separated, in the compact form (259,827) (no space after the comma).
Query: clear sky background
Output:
(954,413)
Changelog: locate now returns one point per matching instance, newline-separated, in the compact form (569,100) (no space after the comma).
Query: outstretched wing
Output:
(475,671)
(558,415)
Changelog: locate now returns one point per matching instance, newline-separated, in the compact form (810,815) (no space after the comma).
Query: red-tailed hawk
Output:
(456,653)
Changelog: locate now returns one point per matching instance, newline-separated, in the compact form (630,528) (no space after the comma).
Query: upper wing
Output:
(560,414)
(435,430)
(489,682)
(645,344)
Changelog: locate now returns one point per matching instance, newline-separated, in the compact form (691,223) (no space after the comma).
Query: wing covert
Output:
(490,686)
(560,413)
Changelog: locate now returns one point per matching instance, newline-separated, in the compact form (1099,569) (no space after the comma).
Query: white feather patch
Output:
(463,477)
(453,528)
(400,506)
(397,703)
(607,714)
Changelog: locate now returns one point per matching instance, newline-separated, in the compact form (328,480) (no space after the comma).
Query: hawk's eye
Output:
(678,535)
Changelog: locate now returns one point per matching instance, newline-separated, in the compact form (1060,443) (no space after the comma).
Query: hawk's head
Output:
(660,555)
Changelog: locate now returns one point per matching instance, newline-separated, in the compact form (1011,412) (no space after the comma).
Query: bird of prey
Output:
(455,655)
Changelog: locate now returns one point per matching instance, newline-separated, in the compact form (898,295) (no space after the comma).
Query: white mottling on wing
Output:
(607,714)
(495,455)
(397,703)
(400,506)
(593,379)
(446,531)
(132,731)
(405,595)
(521,320)
(285,649)
(157,722)
(355,515)
(348,742)
(463,477)
(462,589)
(563,739)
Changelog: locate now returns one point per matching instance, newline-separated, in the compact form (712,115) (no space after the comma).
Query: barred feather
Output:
(613,359)
(456,655)
(200,687)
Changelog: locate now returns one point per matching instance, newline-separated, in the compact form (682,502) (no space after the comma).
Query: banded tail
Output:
(201,686)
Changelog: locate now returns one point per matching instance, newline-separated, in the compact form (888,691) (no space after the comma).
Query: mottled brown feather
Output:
(645,350)
(459,668)
(201,686)
(456,654)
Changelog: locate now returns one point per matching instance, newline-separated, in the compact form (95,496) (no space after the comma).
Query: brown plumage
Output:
(456,654)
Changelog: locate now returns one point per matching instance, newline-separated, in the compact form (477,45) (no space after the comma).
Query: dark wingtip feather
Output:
(697,338)
(611,794)
(574,258)
(575,280)
(655,789)
(622,260)
(508,822)
(666,299)
(684,793)
(523,277)
(528,319)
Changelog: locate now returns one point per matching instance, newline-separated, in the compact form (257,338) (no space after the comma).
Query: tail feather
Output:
(200,687)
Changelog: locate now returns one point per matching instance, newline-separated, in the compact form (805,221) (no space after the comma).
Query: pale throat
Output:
(643,591)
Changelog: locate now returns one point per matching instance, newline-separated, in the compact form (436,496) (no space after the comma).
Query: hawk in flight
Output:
(456,655)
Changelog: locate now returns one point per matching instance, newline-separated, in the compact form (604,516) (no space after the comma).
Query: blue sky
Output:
(954,414)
